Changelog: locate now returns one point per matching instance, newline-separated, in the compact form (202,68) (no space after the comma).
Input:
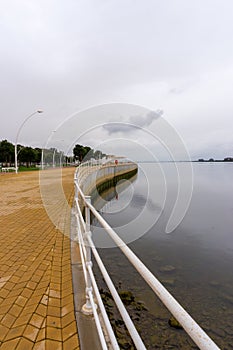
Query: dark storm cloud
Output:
(133,123)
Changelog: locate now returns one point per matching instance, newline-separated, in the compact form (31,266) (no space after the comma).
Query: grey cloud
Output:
(133,123)
(63,56)
(147,120)
(115,127)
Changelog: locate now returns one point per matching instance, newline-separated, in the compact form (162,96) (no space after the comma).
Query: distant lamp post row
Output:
(55,150)
(17,136)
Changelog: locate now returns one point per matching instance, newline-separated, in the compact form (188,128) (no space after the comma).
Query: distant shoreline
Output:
(186,161)
(227,159)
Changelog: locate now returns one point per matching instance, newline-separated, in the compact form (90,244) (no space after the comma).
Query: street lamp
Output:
(54,152)
(17,136)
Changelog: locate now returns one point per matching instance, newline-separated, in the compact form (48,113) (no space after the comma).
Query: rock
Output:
(169,282)
(126,296)
(120,333)
(167,268)
(154,339)
(140,306)
(124,344)
(228,298)
(157,259)
(108,303)
(205,313)
(105,294)
(174,323)
(229,330)
(136,318)
(119,322)
(214,283)
(219,332)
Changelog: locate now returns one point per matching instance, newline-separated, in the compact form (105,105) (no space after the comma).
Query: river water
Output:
(194,261)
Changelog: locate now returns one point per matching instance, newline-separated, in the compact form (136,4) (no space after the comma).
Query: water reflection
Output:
(199,252)
(104,201)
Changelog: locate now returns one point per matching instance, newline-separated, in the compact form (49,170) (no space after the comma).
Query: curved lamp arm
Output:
(17,136)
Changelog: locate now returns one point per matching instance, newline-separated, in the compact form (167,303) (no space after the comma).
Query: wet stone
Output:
(168,282)
(154,339)
(126,296)
(229,330)
(167,268)
(220,332)
(157,259)
(124,344)
(214,283)
(174,323)
(228,298)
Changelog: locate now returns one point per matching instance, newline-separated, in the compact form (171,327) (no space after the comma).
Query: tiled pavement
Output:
(36,295)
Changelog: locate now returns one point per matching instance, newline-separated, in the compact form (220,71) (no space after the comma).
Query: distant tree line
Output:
(26,155)
(83,153)
(30,156)
(227,159)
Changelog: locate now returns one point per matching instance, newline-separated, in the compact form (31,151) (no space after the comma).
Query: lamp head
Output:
(39,111)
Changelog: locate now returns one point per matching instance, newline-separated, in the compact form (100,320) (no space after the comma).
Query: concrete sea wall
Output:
(95,178)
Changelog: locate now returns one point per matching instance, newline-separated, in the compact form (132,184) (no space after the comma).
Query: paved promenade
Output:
(36,295)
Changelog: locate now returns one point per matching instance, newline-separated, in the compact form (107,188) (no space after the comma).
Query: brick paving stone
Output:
(71,343)
(41,310)
(3,331)
(53,345)
(54,333)
(4,293)
(22,320)
(40,345)
(5,309)
(21,301)
(15,333)
(28,309)
(67,309)
(8,320)
(10,344)
(54,311)
(67,319)
(69,331)
(37,320)
(31,332)
(15,310)
(67,300)
(25,344)
(36,295)
(54,322)
(41,335)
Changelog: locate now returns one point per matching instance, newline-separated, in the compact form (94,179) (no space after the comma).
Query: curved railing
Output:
(84,237)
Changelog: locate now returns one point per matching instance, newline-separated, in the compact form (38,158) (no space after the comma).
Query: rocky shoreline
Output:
(146,323)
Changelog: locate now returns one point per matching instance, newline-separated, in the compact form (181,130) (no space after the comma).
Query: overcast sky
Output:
(174,56)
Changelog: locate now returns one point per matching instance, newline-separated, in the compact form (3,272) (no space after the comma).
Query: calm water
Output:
(194,262)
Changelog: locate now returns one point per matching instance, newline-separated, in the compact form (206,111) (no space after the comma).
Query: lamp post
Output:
(54,152)
(54,157)
(17,136)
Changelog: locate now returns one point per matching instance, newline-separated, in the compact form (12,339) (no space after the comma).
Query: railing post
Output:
(87,308)
(75,187)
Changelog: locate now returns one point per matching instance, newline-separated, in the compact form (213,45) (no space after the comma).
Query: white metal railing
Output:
(93,170)
(200,338)
(7,169)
